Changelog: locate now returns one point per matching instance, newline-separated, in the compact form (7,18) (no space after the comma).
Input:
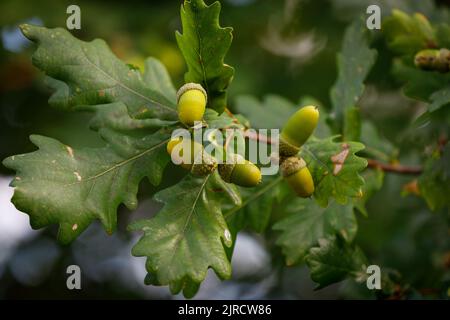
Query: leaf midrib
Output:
(118,82)
(118,165)
(199,52)
(188,218)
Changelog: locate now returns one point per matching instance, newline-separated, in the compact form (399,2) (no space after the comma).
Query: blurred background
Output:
(286,47)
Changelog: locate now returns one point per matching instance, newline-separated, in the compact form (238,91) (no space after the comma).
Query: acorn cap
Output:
(204,166)
(226,169)
(292,165)
(191,86)
(287,149)
(426,59)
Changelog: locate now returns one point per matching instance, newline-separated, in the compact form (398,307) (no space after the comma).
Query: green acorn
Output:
(201,163)
(433,60)
(298,177)
(191,100)
(297,130)
(241,172)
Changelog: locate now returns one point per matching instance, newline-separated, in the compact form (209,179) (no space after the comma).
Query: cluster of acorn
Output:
(296,131)
(192,100)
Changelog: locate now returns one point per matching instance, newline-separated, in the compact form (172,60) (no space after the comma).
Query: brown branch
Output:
(257,137)
(395,168)
(231,115)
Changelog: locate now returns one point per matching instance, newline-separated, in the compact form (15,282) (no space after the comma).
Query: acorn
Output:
(433,60)
(200,163)
(191,101)
(297,175)
(297,130)
(240,172)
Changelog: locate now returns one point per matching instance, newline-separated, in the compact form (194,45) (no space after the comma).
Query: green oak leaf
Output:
(256,209)
(72,187)
(352,124)
(334,260)
(443,35)
(88,73)
(335,169)
(440,99)
(214,120)
(434,183)
(115,116)
(420,84)
(186,237)
(230,190)
(376,144)
(204,45)
(354,64)
(257,213)
(157,78)
(307,222)
(407,34)
(373,182)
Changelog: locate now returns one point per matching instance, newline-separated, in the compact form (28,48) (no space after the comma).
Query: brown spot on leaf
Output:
(69,151)
(77,175)
(339,159)
(411,188)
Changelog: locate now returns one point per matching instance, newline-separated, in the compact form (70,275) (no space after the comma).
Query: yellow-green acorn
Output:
(240,172)
(426,59)
(191,99)
(200,163)
(433,60)
(298,177)
(298,129)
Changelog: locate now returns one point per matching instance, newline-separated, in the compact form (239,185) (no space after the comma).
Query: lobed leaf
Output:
(307,222)
(72,187)
(440,99)
(186,237)
(204,44)
(420,84)
(408,34)
(335,169)
(89,74)
(434,183)
(334,260)
(354,64)
(259,202)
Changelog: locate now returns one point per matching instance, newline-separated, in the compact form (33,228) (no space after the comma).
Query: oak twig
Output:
(395,168)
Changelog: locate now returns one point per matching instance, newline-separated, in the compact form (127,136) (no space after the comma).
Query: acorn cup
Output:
(297,130)
(240,172)
(200,163)
(297,175)
(191,103)
(433,60)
